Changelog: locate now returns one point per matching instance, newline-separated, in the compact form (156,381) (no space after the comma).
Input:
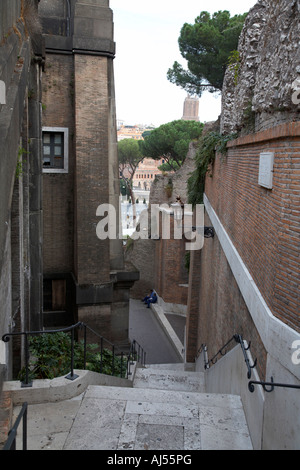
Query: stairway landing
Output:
(166,409)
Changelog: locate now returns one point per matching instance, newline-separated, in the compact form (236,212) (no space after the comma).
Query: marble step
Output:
(147,419)
(169,379)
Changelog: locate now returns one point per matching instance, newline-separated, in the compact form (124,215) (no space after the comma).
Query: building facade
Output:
(84,276)
(146,172)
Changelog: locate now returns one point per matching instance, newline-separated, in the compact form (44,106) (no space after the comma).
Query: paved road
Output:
(145,329)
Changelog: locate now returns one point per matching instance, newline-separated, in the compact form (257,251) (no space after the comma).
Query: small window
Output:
(55,150)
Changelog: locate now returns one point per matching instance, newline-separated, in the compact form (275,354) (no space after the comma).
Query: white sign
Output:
(2,92)
(266,163)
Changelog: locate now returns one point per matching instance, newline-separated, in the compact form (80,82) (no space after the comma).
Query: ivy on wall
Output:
(209,145)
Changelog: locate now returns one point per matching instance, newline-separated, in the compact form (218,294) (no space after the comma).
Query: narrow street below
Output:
(145,329)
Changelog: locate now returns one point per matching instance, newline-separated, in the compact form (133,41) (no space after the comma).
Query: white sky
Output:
(146,35)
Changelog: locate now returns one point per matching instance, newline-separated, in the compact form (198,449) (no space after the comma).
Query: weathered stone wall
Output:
(159,190)
(260,96)
(20,175)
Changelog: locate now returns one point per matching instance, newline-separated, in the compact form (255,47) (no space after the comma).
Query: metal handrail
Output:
(12,434)
(271,384)
(251,383)
(239,339)
(223,350)
(71,376)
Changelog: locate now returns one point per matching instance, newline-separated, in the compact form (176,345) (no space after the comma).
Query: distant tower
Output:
(191,109)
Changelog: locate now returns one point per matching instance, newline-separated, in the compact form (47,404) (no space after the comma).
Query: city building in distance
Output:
(191,109)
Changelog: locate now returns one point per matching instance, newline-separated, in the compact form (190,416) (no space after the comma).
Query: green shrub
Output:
(208,145)
(50,356)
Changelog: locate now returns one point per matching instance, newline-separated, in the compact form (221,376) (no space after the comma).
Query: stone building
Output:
(191,108)
(146,172)
(130,132)
(21,63)
(84,277)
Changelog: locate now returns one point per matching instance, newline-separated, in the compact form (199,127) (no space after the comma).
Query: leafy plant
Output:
(209,144)
(20,162)
(234,65)
(51,357)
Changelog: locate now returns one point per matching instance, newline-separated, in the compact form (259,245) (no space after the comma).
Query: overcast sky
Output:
(146,35)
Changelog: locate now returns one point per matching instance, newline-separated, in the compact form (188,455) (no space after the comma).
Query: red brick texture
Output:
(263,225)
(58,236)
(170,271)
(92,172)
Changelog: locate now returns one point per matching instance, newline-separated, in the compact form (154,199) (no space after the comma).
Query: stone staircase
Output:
(166,409)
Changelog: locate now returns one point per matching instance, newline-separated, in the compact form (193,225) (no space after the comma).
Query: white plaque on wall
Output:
(266,163)
(2,92)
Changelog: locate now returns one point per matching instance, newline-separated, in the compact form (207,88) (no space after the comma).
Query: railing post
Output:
(72,376)
(101,355)
(84,345)
(129,360)
(206,362)
(133,352)
(26,383)
(25,427)
(121,373)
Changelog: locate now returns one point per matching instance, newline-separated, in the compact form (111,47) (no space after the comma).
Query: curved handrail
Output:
(270,384)
(5,337)
(80,325)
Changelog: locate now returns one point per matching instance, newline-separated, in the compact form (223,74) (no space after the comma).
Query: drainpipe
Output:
(68,18)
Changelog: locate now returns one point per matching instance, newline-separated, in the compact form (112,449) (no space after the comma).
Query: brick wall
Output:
(92,166)
(263,225)
(170,270)
(216,308)
(58,111)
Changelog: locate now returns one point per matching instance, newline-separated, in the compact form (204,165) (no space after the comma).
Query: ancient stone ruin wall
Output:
(258,92)
(166,188)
